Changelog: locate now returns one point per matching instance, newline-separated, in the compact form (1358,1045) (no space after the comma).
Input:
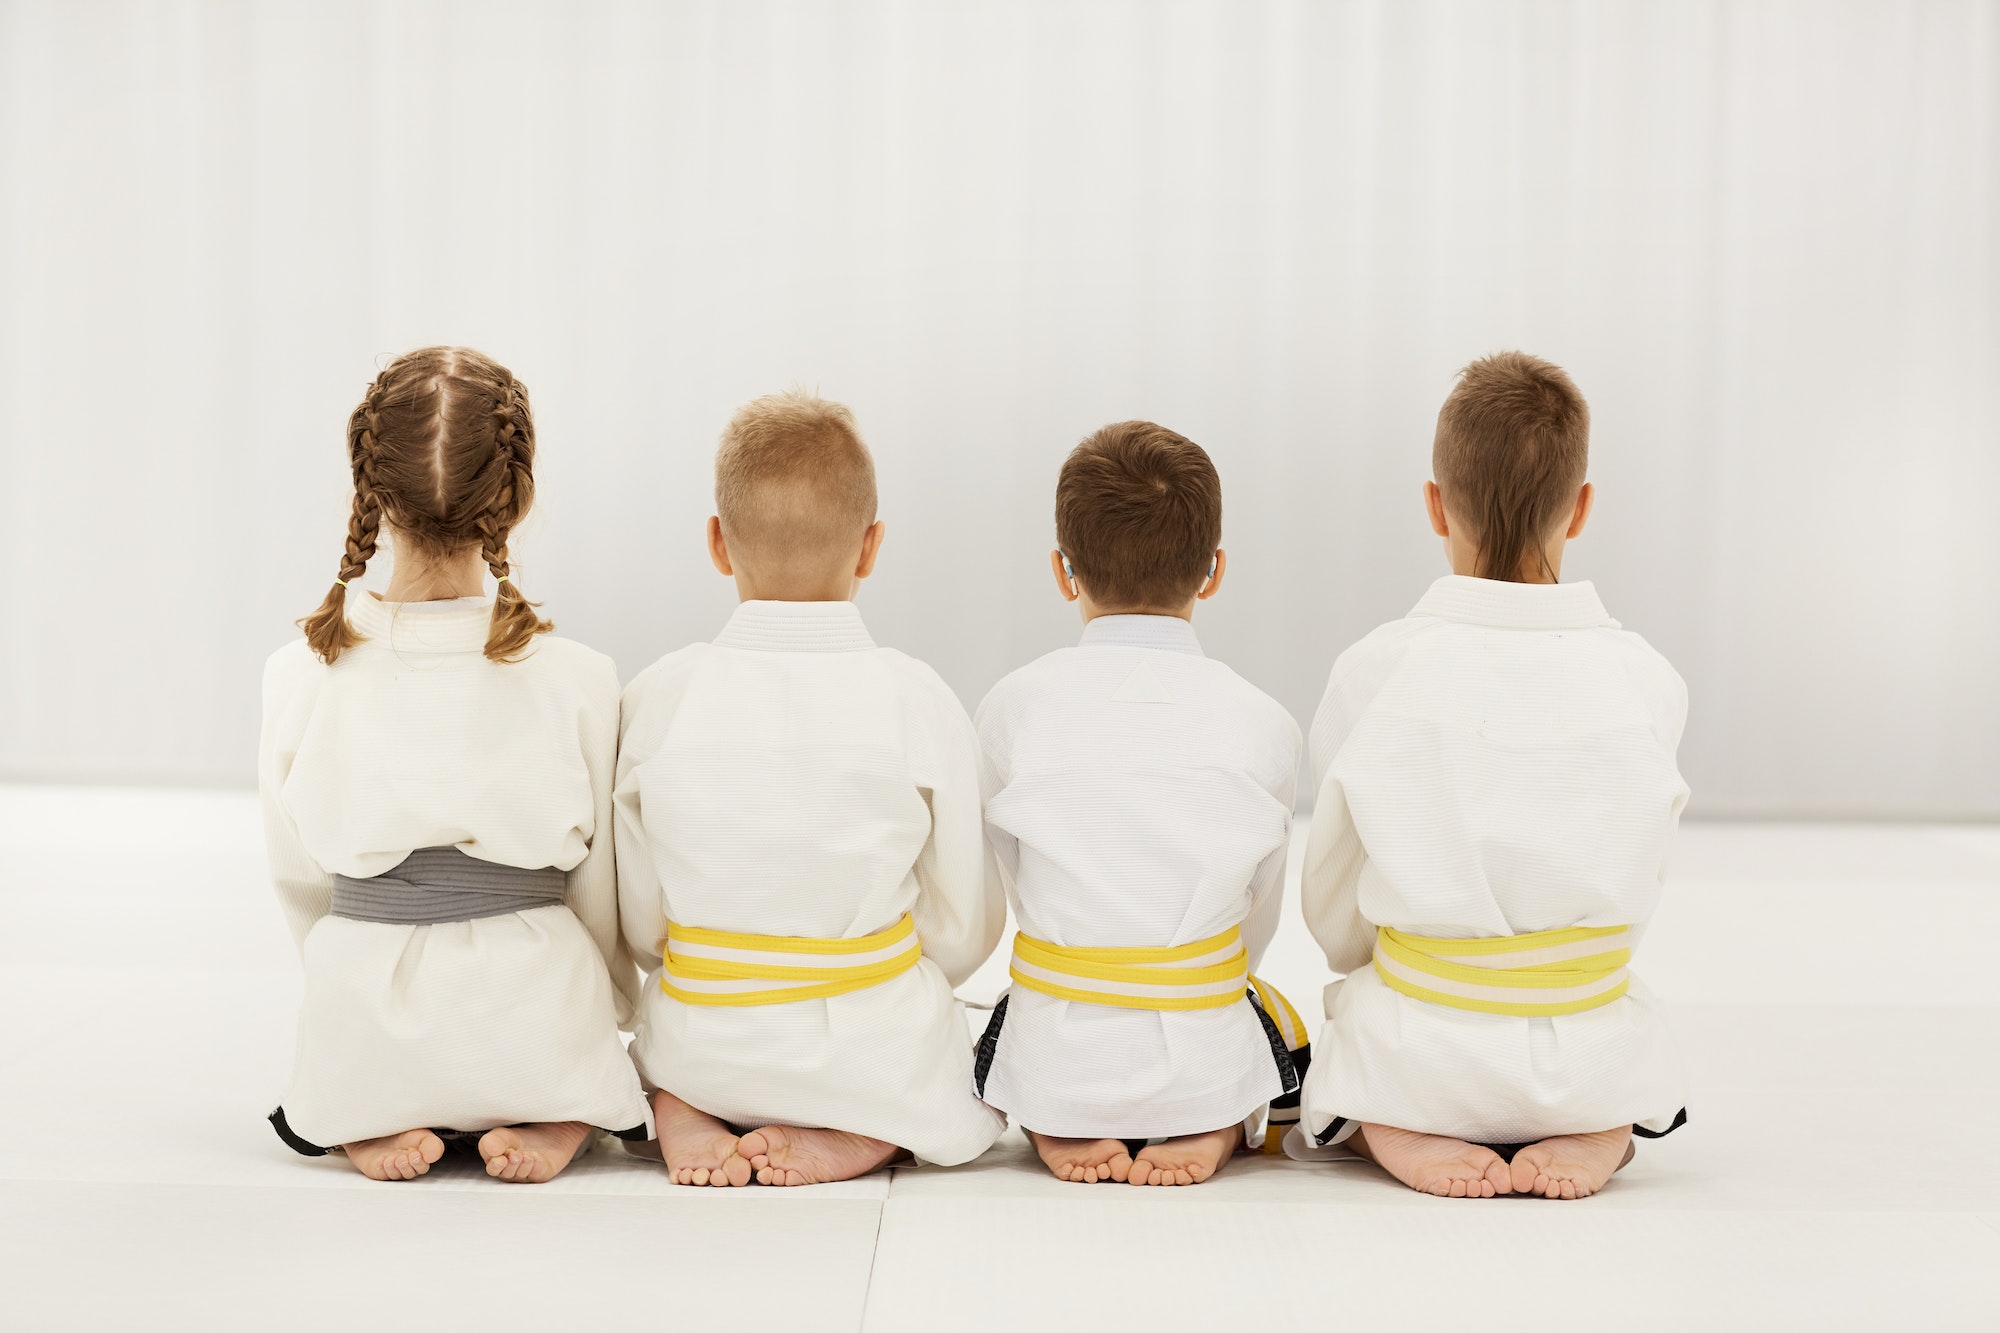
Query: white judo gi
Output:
(1139,795)
(793,779)
(1500,762)
(414,739)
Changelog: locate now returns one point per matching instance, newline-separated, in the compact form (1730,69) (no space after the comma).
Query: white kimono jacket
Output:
(792,778)
(1499,762)
(414,739)
(1139,795)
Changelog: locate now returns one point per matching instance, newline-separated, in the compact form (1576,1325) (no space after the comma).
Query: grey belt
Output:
(438,884)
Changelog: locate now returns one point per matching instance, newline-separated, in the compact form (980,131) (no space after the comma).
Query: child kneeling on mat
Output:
(1139,794)
(1497,791)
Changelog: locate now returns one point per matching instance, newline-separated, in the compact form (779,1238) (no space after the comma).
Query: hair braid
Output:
(327,632)
(514,618)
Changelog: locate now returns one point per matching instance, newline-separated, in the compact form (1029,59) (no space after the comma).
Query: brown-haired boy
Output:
(1140,796)
(799,841)
(1497,791)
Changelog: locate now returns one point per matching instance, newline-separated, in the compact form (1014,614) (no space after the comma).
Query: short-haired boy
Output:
(799,841)
(1139,794)
(1497,791)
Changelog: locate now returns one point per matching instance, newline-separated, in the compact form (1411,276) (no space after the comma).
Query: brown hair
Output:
(443,449)
(1513,441)
(1139,515)
(793,480)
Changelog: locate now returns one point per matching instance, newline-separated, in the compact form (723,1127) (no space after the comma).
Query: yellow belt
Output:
(719,967)
(1208,974)
(1537,975)
(1284,1111)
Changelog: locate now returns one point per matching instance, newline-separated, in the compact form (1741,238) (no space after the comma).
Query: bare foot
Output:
(1448,1168)
(787,1155)
(531,1154)
(1572,1166)
(1188,1160)
(1085,1161)
(402,1156)
(697,1148)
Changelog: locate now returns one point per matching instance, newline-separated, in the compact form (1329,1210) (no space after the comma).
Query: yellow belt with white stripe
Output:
(1207,974)
(1537,975)
(719,967)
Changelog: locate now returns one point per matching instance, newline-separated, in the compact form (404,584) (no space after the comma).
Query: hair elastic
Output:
(341,582)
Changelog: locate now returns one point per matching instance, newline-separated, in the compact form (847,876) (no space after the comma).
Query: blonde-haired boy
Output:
(799,842)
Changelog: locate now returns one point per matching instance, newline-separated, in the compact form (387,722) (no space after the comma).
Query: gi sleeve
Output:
(1330,883)
(961,908)
(592,891)
(642,717)
(305,891)
(992,781)
(1267,885)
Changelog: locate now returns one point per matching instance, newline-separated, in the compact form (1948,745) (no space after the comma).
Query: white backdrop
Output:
(1764,238)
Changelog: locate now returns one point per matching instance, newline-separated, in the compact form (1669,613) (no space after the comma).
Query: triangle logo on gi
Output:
(1143,687)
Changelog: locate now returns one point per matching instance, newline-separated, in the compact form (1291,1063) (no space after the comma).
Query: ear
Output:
(1434,502)
(718,550)
(1065,585)
(1214,584)
(1585,498)
(871,546)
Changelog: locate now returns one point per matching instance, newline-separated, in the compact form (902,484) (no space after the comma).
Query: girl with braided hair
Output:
(436,772)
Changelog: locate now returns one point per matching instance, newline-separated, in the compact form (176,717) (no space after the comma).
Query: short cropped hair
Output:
(1512,447)
(1139,514)
(793,480)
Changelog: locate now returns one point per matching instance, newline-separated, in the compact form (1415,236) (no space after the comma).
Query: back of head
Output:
(1512,447)
(1139,516)
(442,448)
(794,486)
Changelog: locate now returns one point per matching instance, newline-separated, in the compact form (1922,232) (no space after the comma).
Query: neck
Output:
(1464,559)
(418,578)
(1091,610)
(818,588)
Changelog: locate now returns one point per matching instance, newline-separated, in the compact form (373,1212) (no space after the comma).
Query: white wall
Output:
(1765,239)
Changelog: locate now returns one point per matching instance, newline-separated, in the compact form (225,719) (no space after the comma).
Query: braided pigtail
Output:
(327,632)
(514,620)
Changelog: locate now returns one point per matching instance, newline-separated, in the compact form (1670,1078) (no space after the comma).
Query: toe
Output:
(1121,1168)
(737,1171)
(698,1176)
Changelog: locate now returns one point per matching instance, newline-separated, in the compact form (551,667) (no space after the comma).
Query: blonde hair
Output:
(443,448)
(1512,447)
(793,481)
